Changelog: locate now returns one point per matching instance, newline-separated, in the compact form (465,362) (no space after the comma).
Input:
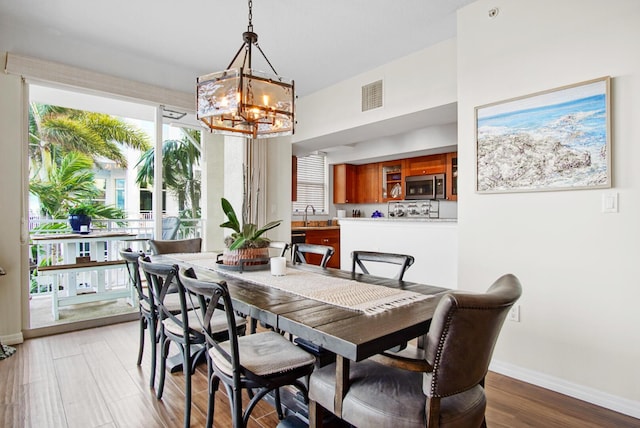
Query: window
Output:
(101,184)
(312,186)
(120,187)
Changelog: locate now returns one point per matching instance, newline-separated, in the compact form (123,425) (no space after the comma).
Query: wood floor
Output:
(90,379)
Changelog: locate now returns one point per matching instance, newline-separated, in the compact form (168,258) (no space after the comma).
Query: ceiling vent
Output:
(372,96)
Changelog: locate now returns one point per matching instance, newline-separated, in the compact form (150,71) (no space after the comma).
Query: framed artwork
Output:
(558,139)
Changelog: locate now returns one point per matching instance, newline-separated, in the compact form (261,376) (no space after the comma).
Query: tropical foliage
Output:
(179,159)
(247,235)
(65,146)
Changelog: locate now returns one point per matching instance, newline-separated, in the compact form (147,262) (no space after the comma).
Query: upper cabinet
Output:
(368,183)
(392,179)
(294,178)
(434,164)
(451,178)
(344,183)
(385,181)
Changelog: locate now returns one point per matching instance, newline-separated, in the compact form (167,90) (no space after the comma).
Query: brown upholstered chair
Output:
(447,388)
(404,261)
(298,252)
(193,245)
(260,362)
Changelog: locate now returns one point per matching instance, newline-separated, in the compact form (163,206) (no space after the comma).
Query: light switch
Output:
(610,202)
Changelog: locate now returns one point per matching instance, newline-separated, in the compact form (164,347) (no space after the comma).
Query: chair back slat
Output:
(404,261)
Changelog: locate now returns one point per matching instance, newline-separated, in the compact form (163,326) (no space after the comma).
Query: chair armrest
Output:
(410,358)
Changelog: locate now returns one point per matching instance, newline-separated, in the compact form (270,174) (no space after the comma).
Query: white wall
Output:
(13,255)
(579,267)
(419,81)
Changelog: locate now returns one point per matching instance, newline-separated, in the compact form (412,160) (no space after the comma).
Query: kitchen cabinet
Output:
(392,180)
(344,183)
(367,183)
(452,176)
(329,237)
(294,178)
(422,165)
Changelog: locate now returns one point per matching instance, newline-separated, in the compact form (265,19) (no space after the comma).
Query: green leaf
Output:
(228,210)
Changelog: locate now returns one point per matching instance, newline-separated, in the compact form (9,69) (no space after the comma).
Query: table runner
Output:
(346,293)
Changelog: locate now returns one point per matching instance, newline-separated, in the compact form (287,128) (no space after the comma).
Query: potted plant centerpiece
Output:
(246,242)
(80,215)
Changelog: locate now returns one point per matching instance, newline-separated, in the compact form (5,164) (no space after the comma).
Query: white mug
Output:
(278,266)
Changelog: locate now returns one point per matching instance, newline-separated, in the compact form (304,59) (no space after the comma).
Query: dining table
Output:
(351,315)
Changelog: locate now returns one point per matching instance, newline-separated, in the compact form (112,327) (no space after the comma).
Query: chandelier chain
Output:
(250,15)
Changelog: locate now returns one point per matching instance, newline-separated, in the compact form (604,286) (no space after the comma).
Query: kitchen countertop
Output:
(401,219)
(304,228)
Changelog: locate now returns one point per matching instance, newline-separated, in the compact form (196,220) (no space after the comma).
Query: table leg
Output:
(342,383)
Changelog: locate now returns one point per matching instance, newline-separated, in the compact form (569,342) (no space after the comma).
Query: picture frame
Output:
(559,139)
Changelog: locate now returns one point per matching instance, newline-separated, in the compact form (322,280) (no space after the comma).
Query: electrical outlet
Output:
(514,313)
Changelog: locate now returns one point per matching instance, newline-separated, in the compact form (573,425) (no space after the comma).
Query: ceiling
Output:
(169,43)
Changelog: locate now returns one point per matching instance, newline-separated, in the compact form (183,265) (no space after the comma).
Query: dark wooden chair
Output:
(299,251)
(158,246)
(146,307)
(258,363)
(181,328)
(402,260)
(445,388)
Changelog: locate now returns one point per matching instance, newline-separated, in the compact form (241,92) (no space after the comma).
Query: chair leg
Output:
(213,388)
(164,352)
(151,324)
(276,393)
(143,325)
(186,370)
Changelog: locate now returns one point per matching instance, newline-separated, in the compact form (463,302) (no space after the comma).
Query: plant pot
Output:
(77,220)
(233,257)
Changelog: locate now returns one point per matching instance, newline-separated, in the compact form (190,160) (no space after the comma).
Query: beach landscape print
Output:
(553,140)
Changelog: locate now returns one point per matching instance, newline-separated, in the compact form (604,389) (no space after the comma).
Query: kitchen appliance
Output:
(425,187)
(414,209)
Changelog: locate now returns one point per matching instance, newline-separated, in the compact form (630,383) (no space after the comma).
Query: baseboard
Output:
(581,392)
(12,339)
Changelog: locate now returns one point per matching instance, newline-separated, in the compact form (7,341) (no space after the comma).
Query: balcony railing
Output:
(50,254)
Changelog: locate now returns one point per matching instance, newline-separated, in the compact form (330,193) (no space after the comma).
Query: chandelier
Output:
(243,101)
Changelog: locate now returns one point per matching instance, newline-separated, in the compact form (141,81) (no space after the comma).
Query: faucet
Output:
(305,213)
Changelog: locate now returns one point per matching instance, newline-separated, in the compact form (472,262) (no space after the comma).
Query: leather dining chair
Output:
(192,245)
(259,363)
(299,251)
(181,328)
(444,388)
(402,260)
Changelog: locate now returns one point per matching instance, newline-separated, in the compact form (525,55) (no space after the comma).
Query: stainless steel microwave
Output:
(425,187)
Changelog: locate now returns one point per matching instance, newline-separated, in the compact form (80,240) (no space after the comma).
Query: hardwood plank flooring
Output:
(89,378)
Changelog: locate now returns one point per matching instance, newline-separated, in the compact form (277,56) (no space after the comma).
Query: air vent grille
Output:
(372,96)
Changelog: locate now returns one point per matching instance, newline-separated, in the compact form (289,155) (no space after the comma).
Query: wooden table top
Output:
(348,333)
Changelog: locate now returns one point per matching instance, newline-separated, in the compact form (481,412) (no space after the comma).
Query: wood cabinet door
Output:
(344,183)
(368,183)
(329,237)
(434,164)
(451,178)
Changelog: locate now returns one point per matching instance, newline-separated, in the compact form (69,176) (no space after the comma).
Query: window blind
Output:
(312,186)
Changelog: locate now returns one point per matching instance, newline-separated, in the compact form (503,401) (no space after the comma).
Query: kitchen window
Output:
(312,184)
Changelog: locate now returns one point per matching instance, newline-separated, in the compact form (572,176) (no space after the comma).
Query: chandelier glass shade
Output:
(246,102)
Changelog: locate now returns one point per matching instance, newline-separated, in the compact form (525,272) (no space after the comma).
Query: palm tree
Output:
(55,131)
(69,183)
(179,157)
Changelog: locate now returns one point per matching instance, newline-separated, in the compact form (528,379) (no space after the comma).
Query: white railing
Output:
(48,254)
